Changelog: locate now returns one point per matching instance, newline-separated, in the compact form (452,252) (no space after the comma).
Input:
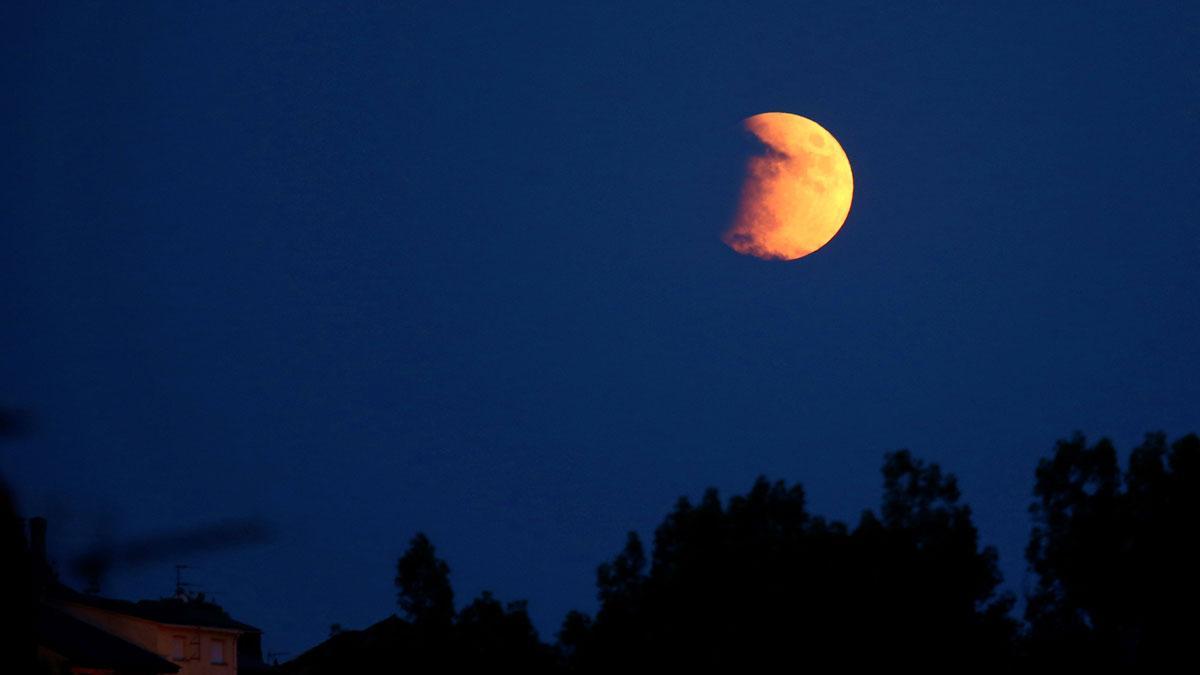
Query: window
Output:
(218,651)
(177,646)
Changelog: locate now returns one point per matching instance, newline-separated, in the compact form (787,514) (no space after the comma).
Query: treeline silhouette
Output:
(759,582)
(1116,556)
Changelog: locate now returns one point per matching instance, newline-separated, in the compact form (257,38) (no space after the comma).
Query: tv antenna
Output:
(181,586)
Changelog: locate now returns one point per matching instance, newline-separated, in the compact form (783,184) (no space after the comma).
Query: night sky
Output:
(360,271)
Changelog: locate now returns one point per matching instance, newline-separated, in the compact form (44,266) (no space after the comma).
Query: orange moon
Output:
(797,193)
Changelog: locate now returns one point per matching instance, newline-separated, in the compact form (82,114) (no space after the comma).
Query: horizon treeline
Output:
(758,581)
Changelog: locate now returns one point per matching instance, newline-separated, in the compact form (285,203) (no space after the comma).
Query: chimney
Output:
(37,540)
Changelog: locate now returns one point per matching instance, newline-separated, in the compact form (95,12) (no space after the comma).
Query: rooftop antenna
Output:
(181,587)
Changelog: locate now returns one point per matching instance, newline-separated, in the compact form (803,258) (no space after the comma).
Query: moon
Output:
(797,193)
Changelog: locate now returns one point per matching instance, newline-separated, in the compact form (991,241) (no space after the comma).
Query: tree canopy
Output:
(1115,553)
(425,596)
(757,580)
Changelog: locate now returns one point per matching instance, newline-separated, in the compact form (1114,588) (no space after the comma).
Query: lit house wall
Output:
(197,650)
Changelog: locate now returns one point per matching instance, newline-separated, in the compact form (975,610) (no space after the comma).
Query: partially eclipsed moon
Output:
(796,195)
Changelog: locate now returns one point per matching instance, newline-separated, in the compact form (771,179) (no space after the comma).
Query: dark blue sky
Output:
(367,270)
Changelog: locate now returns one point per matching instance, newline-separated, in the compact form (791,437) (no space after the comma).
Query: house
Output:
(68,645)
(87,634)
(196,635)
(371,650)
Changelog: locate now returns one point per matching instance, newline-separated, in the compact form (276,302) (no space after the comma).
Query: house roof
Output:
(175,611)
(366,650)
(86,646)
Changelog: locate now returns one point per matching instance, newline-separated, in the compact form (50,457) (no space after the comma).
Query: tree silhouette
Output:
(1115,554)
(492,635)
(23,575)
(425,595)
(760,582)
(18,587)
(934,589)
(573,638)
